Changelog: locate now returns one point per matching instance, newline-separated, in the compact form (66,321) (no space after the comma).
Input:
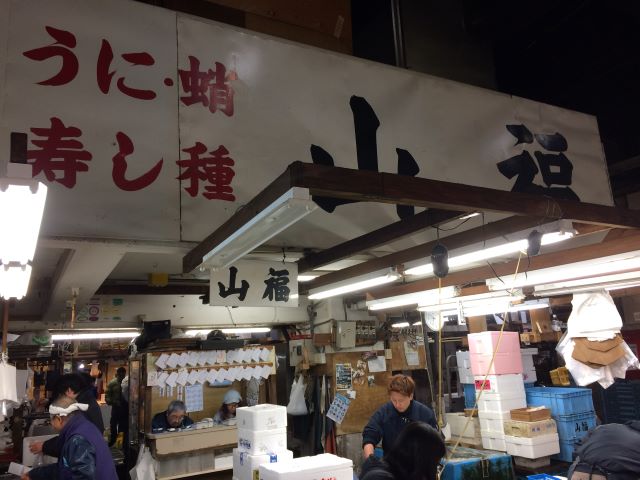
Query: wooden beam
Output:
(382,236)
(272,192)
(368,186)
(458,240)
(627,243)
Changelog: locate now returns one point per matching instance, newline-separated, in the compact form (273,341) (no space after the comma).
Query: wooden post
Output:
(5,326)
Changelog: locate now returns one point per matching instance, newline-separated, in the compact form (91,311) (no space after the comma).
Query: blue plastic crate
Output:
(469,395)
(567,451)
(576,426)
(561,400)
(472,464)
(542,476)
(529,385)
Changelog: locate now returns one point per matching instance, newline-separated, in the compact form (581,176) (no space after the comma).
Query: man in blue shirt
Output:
(389,420)
(174,417)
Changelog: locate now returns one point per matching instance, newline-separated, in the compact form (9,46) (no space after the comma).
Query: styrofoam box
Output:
(28,458)
(534,447)
(530,429)
(464,367)
(494,441)
(245,465)
(261,417)
(320,467)
(529,376)
(489,402)
(457,421)
(493,421)
(511,385)
(484,343)
(262,441)
(503,363)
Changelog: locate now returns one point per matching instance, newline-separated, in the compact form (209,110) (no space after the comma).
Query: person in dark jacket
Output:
(73,386)
(119,422)
(84,454)
(610,451)
(415,455)
(392,417)
(175,416)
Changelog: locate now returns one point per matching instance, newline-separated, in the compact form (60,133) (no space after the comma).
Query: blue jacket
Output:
(84,455)
(387,423)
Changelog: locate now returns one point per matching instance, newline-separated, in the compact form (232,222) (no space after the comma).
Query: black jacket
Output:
(613,449)
(52,447)
(387,423)
(375,469)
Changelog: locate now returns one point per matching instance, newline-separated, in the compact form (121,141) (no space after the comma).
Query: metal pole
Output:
(5,326)
(398,35)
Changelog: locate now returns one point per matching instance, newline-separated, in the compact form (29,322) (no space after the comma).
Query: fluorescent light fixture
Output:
(293,205)
(14,280)
(400,325)
(423,297)
(488,253)
(196,331)
(306,278)
(578,270)
(474,305)
(246,330)
(352,286)
(93,335)
(469,215)
(602,282)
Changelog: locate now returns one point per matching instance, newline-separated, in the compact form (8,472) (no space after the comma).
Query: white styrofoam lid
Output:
(261,407)
(324,462)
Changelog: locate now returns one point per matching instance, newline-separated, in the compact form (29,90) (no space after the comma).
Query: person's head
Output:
(400,391)
(62,409)
(230,403)
(416,453)
(176,411)
(121,372)
(70,385)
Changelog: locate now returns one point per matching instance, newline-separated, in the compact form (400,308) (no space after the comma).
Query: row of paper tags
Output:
(201,375)
(212,357)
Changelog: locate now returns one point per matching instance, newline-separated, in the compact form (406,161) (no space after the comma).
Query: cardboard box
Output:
(530,414)
(598,354)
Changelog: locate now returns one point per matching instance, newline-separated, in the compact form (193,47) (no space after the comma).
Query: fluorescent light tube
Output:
(293,205)
(246,330)
(14,281)
(306,278)
(423,297)
(318,294)
(602,282)
(491,252)
(400,325)
(93,335)
(585,269)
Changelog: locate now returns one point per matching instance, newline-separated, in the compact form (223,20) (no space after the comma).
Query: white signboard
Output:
(146,123)
(255,284)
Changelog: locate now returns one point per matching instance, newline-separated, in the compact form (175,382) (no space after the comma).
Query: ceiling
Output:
(578,55)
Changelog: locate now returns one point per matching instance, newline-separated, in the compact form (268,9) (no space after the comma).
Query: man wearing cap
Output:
(226,415)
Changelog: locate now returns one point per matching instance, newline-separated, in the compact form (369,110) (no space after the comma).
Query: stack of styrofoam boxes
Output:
(571,408)
(528,367)
(262,438)
(466,378)
(531,437)
(465,429)
(321,467)
(503,390)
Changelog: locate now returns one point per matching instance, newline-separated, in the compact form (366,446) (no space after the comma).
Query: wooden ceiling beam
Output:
(382,236)
(368,186)
(626,243)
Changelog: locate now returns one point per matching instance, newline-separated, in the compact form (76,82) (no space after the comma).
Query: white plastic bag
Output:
(297,404)
(594,315)
(144,468)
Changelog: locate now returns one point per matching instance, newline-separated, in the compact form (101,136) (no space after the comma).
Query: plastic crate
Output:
(472,464)
(576,426)
(542,476)
(567,451)
(529,385)
(469,394)
(621,402)
(561,400)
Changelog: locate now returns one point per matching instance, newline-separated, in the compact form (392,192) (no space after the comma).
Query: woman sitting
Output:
(415,455)
(226,415)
